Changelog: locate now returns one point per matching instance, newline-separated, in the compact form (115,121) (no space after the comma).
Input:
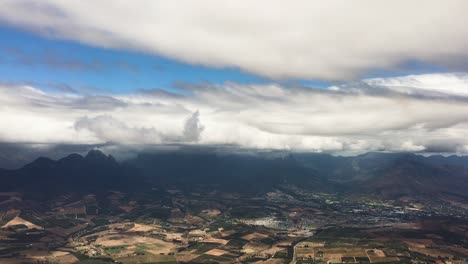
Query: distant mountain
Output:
(392,174)
(450,160)
(389,175)
(74,173)
(411,177)
(228,172)
(386,174)
(353,168)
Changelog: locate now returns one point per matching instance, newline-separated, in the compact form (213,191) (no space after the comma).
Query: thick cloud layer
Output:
(308,39)
(375,114)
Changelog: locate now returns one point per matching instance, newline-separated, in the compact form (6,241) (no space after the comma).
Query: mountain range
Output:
(388,175)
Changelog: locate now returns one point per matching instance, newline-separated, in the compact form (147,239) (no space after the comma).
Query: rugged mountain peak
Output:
(94,172)
(96,156)
(40,162)
(72,158)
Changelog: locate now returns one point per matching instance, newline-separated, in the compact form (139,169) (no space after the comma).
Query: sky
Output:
(324,76)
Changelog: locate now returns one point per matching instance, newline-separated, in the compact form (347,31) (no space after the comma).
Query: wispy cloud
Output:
(56,60)
(361,116)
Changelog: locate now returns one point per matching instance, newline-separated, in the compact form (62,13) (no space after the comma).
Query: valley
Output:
(208,219)
(287,225)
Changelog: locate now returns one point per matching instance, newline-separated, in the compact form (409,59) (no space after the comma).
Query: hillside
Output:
(389,175)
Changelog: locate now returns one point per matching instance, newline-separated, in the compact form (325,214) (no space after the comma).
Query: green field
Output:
(203,247)
(114,250)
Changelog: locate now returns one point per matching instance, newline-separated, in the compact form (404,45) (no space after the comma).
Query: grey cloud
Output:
(63,61)
(369,88)
(68,99)
(108,129)
(97,102)
(193,128)
(62,87)
(444,147)
(160,93)
(50,59)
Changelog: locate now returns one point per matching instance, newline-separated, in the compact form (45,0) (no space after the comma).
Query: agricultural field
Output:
(184,228)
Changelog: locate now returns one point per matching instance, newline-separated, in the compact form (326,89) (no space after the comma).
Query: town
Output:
(286,225)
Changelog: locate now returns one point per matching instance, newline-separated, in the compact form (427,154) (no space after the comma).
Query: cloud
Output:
(51,59)
(62,87)
(328,40)
(453,84)
(63,60)
(108,129)
(362,116)
(193,128)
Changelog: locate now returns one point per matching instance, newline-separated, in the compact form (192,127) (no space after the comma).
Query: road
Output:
(293,245)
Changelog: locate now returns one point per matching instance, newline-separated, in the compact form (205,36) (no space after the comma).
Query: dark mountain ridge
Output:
(227,172)
(386,174)
(74,173)
(393,174)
